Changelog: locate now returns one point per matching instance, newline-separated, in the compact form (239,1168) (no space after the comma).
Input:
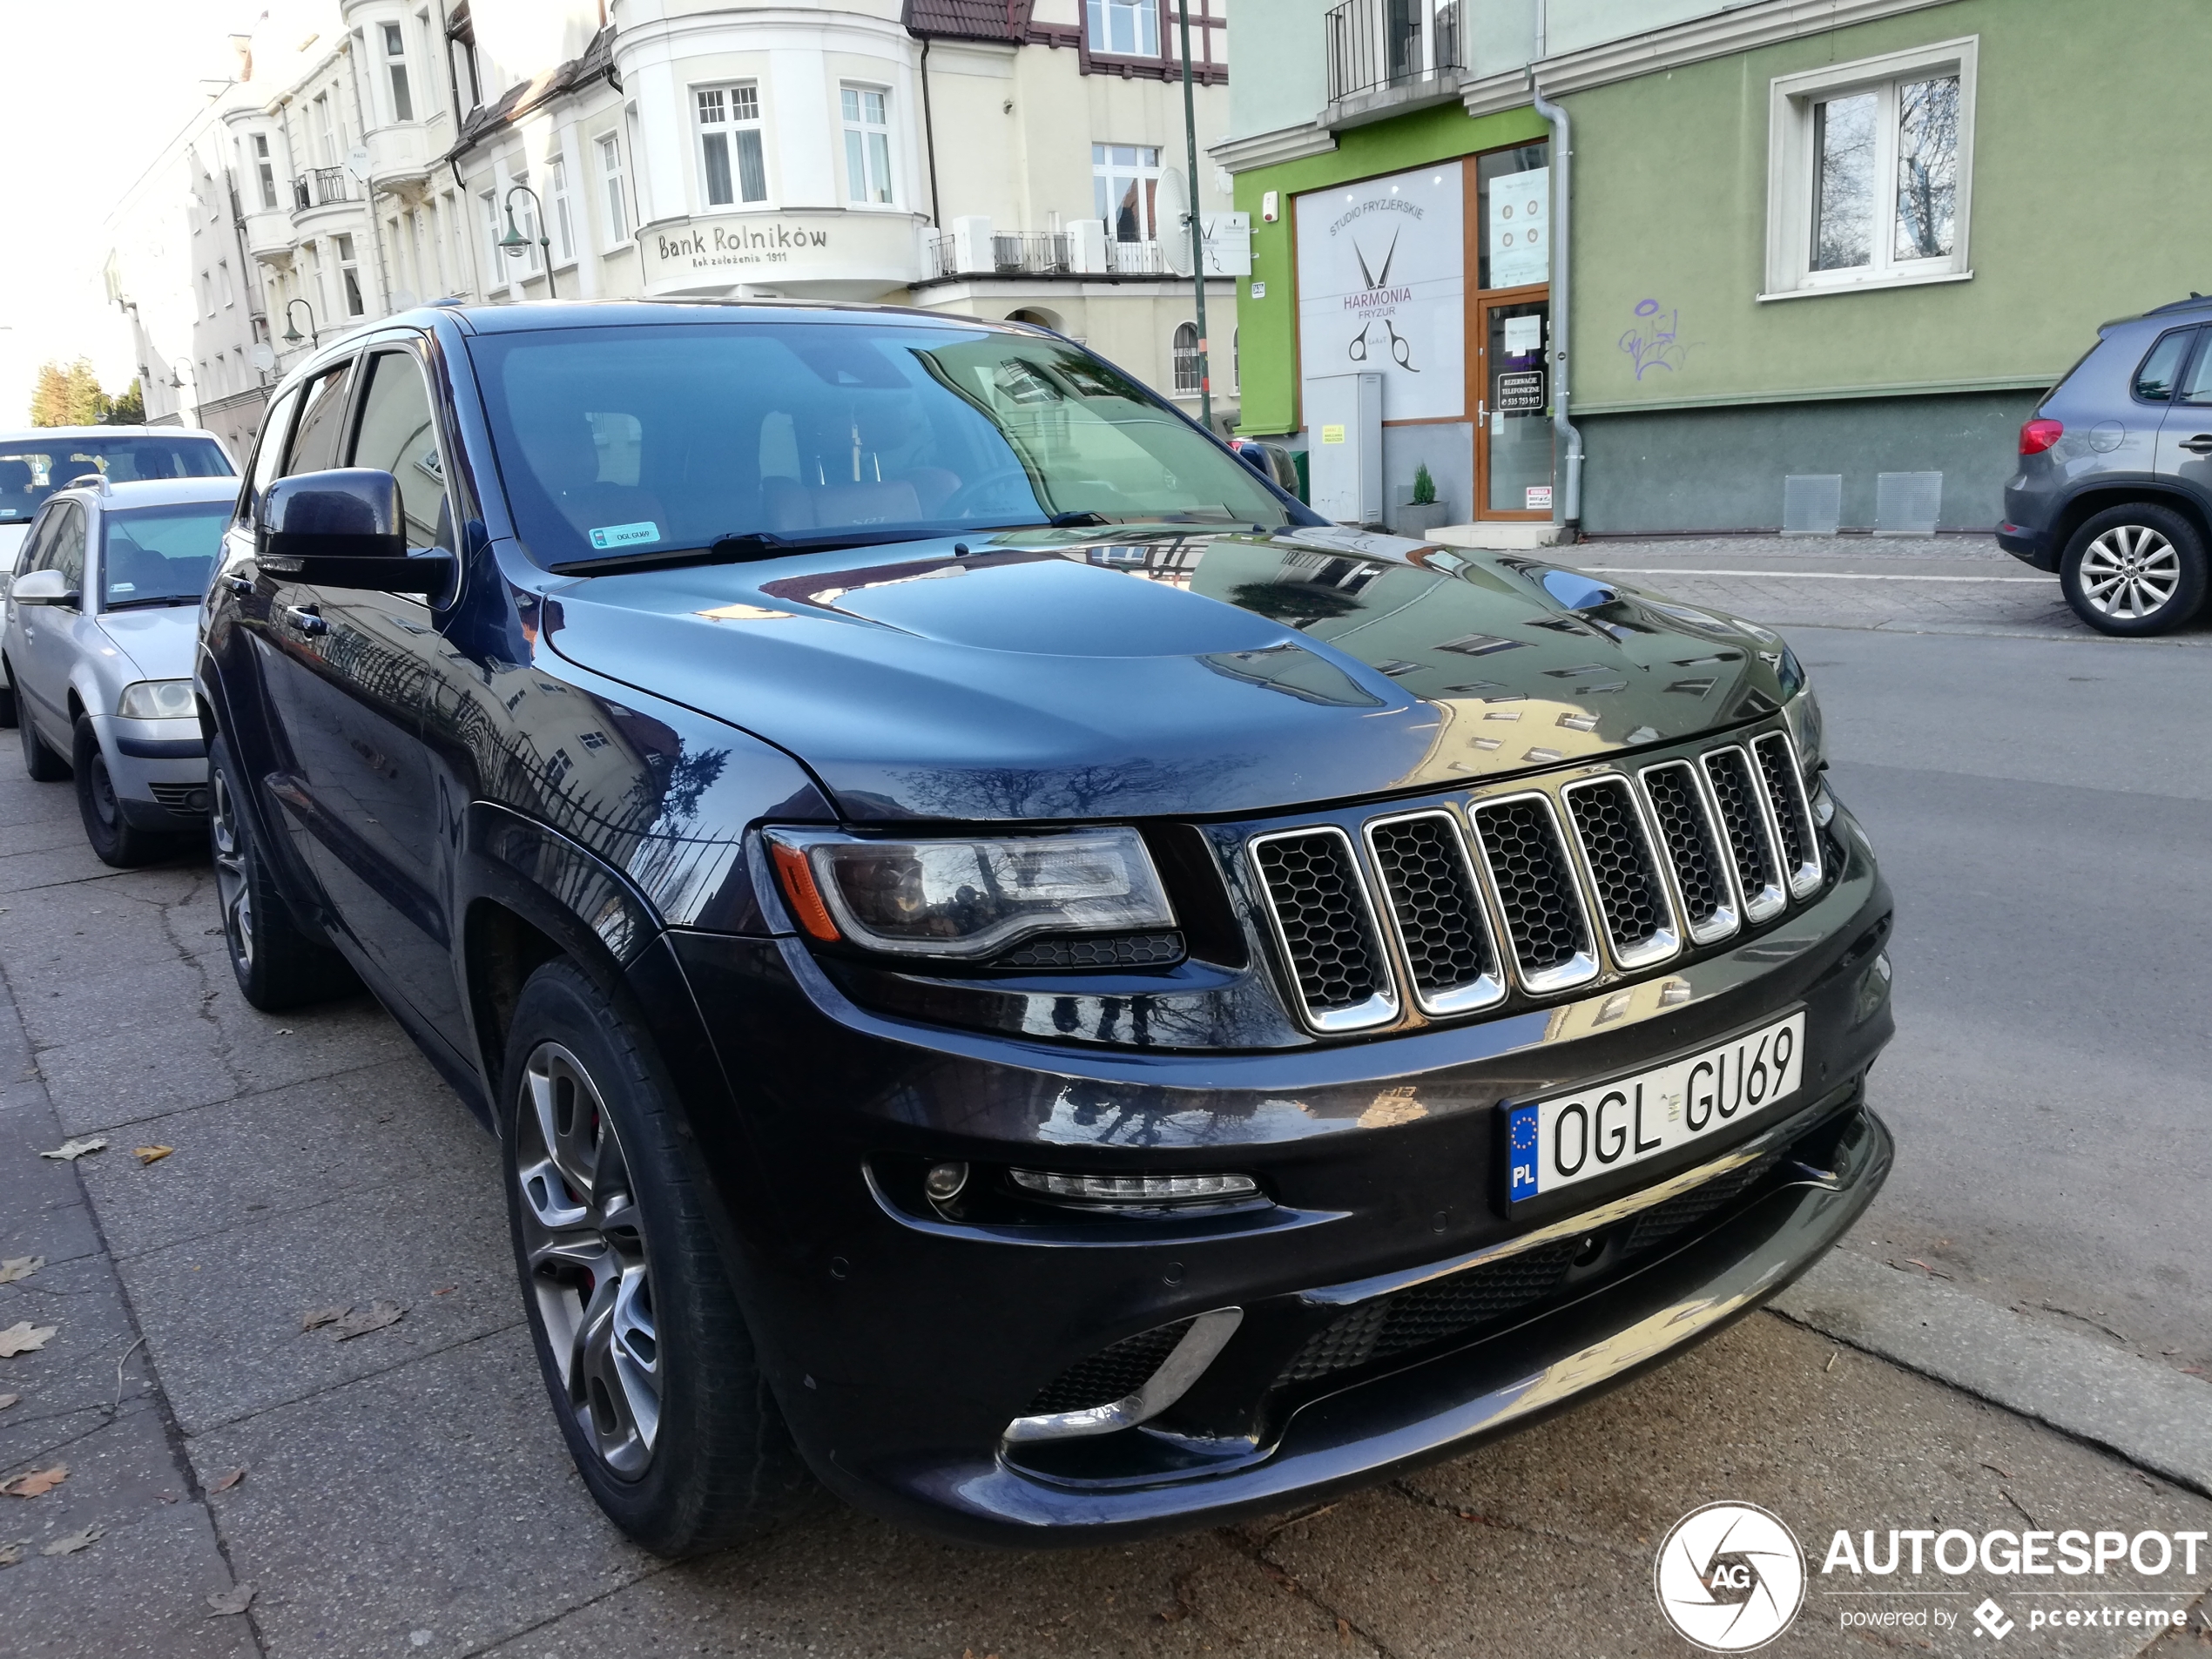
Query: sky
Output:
(98,88)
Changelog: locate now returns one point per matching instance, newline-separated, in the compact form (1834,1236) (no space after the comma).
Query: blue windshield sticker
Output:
(625,535)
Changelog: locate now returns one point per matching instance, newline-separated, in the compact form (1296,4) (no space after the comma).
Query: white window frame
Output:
(863,130)
(1790,274)
(392,34)
(1183,361)
(729,98)
(559,210)
(350,287)
(264,159)
(614,189)
(1107,170)
(1098,27)
(499,271)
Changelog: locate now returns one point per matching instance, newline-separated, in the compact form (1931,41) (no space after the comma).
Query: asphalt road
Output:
(406,1492)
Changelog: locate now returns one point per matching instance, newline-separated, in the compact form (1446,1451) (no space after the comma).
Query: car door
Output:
(2185,436)
(384,813)
(52,634)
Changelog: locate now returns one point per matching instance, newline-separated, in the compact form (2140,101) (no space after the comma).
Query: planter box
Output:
(1408,518)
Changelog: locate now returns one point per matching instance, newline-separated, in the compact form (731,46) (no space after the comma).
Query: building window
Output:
(395,66)
(524,210)
(556,198)
(1124,189)
(868,144)
(1124,28)
(468,84)
(1186,360)
(223,283)
(207,296)
(325,134)
(349,277)
(496,266)
(265,170)
(731,168)
(1869,169)
(610,186)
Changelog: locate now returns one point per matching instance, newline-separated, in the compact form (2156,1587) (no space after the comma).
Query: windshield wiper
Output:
(738,548)
(151,599)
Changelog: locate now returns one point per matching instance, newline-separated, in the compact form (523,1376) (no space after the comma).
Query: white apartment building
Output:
(991,158)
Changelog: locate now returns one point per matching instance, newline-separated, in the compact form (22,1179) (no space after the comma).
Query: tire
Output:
(277,964)
(2134,570)
(43,765)
(115,838)
(651,1370)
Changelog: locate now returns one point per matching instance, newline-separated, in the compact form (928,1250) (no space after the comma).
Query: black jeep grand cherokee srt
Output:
(1012,968)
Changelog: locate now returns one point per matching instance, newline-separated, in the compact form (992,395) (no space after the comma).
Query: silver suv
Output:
(97,644)
(2114,486)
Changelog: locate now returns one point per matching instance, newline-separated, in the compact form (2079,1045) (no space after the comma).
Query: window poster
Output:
(1521,228)
(1382,288)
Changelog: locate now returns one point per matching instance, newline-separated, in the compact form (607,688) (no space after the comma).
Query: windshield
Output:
(32,468)
(160,555)
(617,441)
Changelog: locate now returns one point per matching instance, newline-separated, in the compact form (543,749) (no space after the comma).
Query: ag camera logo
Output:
(1730,1577)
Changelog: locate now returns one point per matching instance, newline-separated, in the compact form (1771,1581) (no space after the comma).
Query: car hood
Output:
(1061,675)
(157,642)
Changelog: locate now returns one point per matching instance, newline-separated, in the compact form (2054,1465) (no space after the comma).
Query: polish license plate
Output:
(1555,1143)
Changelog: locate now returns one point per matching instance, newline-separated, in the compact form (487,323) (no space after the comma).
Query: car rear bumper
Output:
(2034,546)
(901,1342)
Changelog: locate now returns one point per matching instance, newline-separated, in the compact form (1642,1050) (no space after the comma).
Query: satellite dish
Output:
(1171,218)
(357,163)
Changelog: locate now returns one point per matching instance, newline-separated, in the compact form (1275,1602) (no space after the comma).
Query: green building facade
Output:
(1821,250)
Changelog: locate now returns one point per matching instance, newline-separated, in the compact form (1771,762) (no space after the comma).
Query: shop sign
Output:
(769,247)
(1521,228)
(1382,288)
(1521,393)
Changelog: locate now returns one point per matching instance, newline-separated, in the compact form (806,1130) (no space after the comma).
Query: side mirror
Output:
(343,529)
(42,587)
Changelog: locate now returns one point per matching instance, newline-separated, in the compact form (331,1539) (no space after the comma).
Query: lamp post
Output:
(515,241)
(292,329)
(1196,225)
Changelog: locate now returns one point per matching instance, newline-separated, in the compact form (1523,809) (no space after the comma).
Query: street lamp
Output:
(515,241)
(292,330)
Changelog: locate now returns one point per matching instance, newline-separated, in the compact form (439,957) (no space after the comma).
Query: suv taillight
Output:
(2040,434)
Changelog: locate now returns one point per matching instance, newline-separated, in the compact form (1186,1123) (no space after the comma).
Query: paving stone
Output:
(140,1593)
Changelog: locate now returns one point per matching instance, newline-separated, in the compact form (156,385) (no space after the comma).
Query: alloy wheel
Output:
(584,1250)
(2129,572)
(233,886)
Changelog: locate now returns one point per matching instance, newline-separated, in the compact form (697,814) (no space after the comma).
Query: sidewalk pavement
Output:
(406,1492)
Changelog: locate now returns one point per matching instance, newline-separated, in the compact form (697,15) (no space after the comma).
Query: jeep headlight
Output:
(968,898)
(157,700)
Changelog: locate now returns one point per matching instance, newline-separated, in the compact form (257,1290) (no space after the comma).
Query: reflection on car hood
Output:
(1060,675)
(158,640)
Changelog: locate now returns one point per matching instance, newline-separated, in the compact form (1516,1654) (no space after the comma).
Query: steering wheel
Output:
(979,491)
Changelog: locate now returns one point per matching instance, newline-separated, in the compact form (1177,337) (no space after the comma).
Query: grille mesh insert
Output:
(1787,792)
(1315,887)
(1630,895)
(1114,1373)
(1742,820)
(1536,884)
(1691,846)
(1133,950)
(1439,918)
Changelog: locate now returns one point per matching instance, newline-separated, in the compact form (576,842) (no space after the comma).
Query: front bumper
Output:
(902,1343)
(159,770)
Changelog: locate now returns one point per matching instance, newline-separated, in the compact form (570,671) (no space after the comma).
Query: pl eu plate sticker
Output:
(1520,1153)
(625,535)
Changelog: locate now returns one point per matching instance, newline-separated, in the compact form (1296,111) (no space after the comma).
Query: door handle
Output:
(306,619)
(238,583)
(2199,445)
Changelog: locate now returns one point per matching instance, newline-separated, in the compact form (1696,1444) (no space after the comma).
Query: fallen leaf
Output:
(12,1552)
(69,1151)
(314,1317)
(228,1481)
(70,1543)
(448,1291)
(150,1154)
(20,1267)
(236,1599)
(284,1031)
(376,1317)
(37,1482)
(7,1401)
(22,1337)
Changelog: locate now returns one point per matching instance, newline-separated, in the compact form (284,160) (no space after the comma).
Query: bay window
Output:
(731,166)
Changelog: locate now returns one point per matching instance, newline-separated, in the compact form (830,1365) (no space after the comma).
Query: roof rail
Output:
(87,481)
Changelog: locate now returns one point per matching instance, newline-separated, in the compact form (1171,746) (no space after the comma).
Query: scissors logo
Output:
(1401,350)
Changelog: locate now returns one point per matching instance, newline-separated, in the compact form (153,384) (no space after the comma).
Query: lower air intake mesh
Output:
(1114,1373)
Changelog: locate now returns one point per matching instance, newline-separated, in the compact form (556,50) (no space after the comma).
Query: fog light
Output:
(944,1181)
(1135,1188)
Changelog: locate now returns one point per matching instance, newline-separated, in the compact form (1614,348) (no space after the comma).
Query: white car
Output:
(97,643)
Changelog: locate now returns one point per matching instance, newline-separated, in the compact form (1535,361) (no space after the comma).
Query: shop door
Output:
(1512,433)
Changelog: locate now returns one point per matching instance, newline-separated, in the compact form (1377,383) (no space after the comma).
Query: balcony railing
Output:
(1376,44)
(1046,253)
(320,187)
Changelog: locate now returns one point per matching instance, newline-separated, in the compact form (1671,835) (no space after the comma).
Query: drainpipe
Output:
(929,136)
(1568,508)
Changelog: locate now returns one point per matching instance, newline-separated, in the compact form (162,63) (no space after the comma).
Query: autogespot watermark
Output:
(1731,1577)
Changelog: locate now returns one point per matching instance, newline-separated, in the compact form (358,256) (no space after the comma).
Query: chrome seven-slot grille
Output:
(1686,851)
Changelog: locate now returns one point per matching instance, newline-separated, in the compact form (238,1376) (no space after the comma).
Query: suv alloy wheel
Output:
(277,964)
(2134,569)
(645,1352)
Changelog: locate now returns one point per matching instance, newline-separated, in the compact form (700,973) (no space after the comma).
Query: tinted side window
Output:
(2196,382)
(2155,379)
(398,435)
(32,555)
(314,441)
(267,448)
(67,553)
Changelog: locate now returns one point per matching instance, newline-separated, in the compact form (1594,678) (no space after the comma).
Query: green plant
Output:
(1423,486)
